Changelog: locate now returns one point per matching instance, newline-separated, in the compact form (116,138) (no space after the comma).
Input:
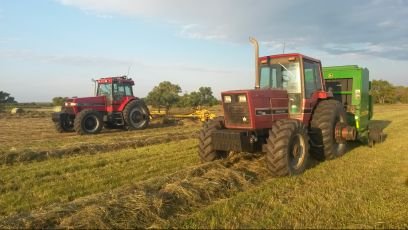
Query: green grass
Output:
(26,187)
(366,188)
(20,134)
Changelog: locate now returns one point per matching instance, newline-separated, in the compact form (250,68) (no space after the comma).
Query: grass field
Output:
(153,178)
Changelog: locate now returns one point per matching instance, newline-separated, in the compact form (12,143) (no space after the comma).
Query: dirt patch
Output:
(152,203)
(12,157)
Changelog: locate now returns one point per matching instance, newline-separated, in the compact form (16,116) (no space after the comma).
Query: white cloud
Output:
(350,25)
(194,31)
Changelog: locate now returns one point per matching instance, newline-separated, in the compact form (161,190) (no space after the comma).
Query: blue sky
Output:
(55,47)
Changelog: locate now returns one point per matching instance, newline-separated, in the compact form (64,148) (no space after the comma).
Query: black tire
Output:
(206,151)
(287,148)
(64,126)
(136,115)
(324,145)
(88,121)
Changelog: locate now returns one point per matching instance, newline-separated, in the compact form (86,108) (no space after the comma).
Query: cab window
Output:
(104,90)
(121,90)
(312,78)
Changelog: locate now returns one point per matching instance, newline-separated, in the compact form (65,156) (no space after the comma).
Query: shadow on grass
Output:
(379,124)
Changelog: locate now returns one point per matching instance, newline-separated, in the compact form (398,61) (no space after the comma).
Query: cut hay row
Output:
(39,134)
(151,203)
(89,148)
(26,187)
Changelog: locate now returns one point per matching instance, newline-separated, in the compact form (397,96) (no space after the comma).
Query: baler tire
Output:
(206,151)
(88,117)
(136,115)
(322,130)
(287,148)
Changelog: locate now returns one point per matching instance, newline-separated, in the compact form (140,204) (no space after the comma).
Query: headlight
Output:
(242,98)
(67,104)
(227,99)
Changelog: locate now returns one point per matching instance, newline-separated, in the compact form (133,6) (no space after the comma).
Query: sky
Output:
(52,48)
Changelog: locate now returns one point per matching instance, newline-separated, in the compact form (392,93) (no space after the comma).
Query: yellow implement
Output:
(201,114)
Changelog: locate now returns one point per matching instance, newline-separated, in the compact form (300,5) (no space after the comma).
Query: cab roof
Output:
(121,79)
(289,55)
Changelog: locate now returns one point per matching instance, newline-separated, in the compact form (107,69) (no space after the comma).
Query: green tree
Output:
(5,98)
(58,101)
(383,91)
(202,97)
(401,94)
(165,95)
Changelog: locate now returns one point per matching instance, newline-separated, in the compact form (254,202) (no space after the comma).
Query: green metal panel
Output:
(358,113)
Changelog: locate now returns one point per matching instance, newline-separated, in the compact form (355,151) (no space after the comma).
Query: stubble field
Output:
(154,178)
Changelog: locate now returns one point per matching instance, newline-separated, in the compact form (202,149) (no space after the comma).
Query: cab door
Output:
(312,82)
(122,93)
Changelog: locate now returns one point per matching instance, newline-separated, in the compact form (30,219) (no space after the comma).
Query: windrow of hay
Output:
(19,113)
(151,203)
(12,157)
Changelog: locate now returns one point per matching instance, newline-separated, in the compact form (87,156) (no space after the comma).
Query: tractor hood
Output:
(254,108)
(76,104)
(86,101)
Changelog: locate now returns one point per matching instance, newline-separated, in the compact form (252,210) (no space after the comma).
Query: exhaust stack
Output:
(254,42)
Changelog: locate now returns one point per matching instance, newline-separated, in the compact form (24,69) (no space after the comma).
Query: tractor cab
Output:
(286,86)
(117,91)
(299,75)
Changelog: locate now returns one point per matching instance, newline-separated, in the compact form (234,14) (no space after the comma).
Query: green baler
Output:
(351,86)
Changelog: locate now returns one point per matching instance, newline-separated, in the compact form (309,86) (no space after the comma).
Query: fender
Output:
(322,95)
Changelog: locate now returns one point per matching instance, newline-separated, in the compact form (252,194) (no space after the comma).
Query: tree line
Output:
(167,95)
(384,92)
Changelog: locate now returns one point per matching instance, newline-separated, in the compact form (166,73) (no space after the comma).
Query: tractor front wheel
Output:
(88,121)
(136,115)
(287,148)
(64,126)
(206,151)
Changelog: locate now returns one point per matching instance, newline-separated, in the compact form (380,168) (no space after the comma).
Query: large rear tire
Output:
(88,121)
(206,151)
(322,130)
(287,148)
(136,115)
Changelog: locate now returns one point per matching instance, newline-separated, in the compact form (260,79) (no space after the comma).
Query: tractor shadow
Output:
(380,124)
(374,124)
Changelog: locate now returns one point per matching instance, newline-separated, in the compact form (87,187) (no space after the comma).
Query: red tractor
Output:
(288,114)
(113,106)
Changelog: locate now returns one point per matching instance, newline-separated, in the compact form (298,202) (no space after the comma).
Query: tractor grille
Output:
(237,113)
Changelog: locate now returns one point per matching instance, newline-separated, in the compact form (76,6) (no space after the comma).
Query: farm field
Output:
(153,178)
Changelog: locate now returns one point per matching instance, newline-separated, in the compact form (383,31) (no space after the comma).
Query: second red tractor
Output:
(113,106)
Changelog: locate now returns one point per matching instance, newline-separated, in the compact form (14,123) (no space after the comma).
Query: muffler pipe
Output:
(254,42)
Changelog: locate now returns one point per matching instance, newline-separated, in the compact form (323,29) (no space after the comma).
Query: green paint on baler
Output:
(350,81)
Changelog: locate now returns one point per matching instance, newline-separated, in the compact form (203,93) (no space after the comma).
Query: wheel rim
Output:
(297,152)
(137,117)
(91,123)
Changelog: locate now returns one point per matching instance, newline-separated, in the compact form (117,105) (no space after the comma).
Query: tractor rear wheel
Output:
(326,116)
(136,115)
(287,148)
(88,121)
(206,151)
